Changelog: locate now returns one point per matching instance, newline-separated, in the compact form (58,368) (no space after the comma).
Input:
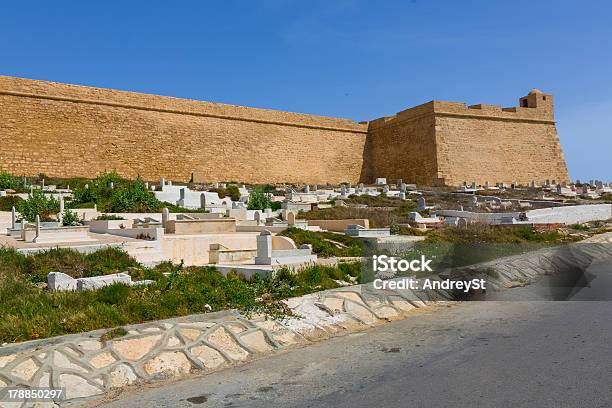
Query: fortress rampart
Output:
(68,131)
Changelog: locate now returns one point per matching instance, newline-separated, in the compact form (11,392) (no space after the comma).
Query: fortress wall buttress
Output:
(487,143)
(403,147)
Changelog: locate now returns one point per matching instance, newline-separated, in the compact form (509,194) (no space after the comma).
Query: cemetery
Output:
(236,234)
(116,253)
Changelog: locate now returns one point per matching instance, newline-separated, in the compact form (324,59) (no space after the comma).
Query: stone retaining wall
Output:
(88,367)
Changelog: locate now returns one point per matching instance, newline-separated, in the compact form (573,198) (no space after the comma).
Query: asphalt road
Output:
(512,352)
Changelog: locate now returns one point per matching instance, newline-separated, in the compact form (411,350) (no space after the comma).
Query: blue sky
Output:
(354,59)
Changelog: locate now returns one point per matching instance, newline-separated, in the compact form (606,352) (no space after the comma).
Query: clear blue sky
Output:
(354,59)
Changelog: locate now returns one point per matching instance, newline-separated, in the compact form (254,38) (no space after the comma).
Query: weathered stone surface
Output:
(102,360)
(191,334)
(4,360)
(173,341)
(44,381)
(334,304)
(170,363)
(25,370)
(285,337)
(386,312)
(257,342)
(122,375)
(403,305)
(60,360)
(135,349)
(222,339)
(350,295)
(436,142)
(361,313)
(89,344)
(208,356)
(77,387)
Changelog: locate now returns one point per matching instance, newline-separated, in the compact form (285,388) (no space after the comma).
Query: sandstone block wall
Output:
(447,143)
(67,131)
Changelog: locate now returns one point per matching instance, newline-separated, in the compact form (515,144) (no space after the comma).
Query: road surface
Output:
(512,352)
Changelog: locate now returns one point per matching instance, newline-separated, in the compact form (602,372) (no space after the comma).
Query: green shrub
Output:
(259,200)
(132,197)
(70,218)
(109,217)
(233,192)
(8,202)
(325,244)
(8,181)
(38,204)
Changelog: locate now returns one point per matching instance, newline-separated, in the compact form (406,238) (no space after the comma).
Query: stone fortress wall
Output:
(68,131)
(448,143)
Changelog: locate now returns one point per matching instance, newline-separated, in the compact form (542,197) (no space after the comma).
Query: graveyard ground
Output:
(27,311)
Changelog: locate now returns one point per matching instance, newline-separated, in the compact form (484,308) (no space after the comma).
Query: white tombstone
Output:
(43,185)
(290,219)
(162,183)
(98,282)
(402,195)
(264,244)
(386,189)
(165,217)
(60,216)
(111,185)
(307,189)
(58,281)
(381,181)
(181,200)
(343,190)
(422,204)
(37,228)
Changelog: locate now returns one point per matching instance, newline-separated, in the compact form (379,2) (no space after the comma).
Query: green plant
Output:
(70,218)
(8,202)
(38,204)
(132,197)
(233,192)
(28,312)
(259,200)
(113,334)
(109,217)
(8,181)
(325,244)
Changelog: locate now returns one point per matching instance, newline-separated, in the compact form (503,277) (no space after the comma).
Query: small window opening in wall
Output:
(543,98)
(524,103)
